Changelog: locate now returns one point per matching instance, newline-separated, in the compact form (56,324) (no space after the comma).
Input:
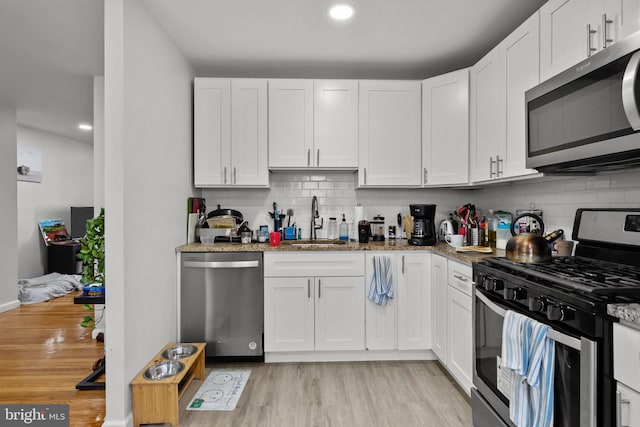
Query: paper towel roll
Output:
(358,214)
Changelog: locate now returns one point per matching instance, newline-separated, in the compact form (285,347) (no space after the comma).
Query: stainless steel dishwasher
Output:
(222,303)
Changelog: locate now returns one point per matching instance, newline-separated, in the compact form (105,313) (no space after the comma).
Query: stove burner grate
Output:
(581,274)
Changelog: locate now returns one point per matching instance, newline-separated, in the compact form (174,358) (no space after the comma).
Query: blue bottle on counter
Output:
(344,229)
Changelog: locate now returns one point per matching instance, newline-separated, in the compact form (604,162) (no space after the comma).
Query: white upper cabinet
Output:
(488,115)
(522,61)
(290,123)
(389,136)
(445,129)
(498,85)
(230,132)
(313,124)
(572,30)
(335,124)
(563,35)
(249,132)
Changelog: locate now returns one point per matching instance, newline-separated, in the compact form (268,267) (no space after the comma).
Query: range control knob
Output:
(492,284)
(513,294)
(559,313)
(537,305)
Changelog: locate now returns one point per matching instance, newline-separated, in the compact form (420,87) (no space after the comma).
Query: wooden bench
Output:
(156,401)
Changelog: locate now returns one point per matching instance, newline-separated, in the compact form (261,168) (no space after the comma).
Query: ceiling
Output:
(51,50)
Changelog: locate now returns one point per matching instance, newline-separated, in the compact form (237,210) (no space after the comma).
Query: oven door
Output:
(575,369)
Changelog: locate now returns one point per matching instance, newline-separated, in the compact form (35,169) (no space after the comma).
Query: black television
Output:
(79,217)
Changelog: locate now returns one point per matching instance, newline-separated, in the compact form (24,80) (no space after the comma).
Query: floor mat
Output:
(220,391)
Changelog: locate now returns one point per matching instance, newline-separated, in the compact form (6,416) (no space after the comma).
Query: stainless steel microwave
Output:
(587,118)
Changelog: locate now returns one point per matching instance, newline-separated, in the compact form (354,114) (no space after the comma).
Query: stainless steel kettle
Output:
(531,247)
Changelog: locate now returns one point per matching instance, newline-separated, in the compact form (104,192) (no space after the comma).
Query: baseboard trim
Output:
(127,422)
(9,306)
(348,356)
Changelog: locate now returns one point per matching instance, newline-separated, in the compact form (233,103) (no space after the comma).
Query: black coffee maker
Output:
(424,229)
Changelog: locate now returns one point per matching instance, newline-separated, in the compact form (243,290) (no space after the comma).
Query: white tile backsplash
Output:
(558,197)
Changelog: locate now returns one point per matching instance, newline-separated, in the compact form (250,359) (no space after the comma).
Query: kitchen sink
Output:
(314,243)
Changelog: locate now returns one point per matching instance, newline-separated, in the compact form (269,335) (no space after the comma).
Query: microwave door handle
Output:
(629,99)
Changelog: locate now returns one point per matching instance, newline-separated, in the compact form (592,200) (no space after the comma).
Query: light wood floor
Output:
(394,394)
(44,353)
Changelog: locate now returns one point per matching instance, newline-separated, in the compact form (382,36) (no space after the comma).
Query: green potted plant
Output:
(92,256)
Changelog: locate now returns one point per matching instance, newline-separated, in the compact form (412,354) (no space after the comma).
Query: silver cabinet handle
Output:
(619,402)
(605,23)
(235,178)
(318,158)
(629,91)
(365,176)
(498,166)
(590,49)
(308,156)
(402,264)
(492,174)
(461,278)
(425,175)
(225,175)
(319,288)
(308,288)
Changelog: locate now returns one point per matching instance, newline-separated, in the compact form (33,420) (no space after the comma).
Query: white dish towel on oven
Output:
(381,286)
(529,353)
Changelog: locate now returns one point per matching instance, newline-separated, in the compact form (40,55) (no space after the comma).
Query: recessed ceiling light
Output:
(85,126)
(341,11)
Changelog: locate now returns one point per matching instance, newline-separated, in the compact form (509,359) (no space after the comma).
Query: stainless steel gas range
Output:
(569,295)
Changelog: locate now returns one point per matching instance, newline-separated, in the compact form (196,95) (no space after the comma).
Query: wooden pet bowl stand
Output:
(156,401)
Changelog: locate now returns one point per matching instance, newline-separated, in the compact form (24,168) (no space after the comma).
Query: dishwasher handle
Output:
(221,264)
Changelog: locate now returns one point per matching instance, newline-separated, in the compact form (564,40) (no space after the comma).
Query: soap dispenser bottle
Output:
(344,229)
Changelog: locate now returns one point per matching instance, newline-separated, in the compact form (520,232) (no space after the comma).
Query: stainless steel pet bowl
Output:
(163,370)
(179,351)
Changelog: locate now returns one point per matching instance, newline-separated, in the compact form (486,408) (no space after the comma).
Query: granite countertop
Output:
(388,245)
(629,314)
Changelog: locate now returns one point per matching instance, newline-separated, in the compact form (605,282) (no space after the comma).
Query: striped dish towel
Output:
(529,354)
(381,285)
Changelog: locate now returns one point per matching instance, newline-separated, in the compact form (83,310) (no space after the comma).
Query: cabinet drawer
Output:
(626,355)
(305,264)
(460,276)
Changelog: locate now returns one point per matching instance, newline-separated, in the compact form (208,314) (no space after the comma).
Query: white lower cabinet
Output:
(439,306)
(404,323)
(626,370)
(414,301)
(313,301)
(452,318)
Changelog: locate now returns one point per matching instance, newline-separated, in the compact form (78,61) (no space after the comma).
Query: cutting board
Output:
(479,249)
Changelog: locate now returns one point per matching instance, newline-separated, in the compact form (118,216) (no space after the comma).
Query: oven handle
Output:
(588,364)
(552,333)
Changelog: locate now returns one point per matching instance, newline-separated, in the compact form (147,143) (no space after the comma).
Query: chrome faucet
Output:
(314,217)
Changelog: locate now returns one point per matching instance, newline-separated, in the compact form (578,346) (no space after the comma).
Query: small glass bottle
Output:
(332,230)
(344,229)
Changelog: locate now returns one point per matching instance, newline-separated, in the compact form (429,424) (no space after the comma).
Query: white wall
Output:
(98,143)
(148,178)
(557,197)
(67,180)
(8,210)
(336,193)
